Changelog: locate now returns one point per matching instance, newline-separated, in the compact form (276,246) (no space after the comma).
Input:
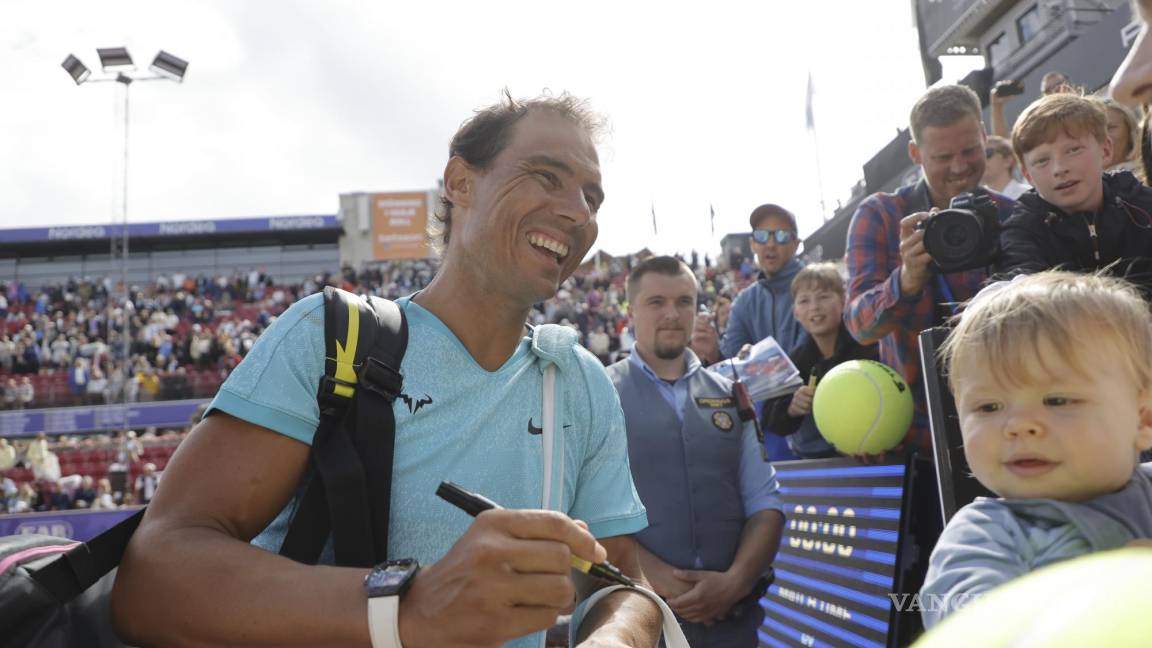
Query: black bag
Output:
(55,593)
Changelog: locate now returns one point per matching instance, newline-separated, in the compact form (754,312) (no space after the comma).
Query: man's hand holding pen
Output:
(507,576)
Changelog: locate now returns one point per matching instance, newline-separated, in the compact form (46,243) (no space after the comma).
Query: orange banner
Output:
(400,226)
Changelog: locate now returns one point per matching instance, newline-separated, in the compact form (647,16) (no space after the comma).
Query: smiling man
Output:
(894,292)
(716,515)
(521,192)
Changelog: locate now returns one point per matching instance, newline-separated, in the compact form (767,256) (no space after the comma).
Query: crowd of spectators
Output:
(187,333)
(97,471)
(183,324)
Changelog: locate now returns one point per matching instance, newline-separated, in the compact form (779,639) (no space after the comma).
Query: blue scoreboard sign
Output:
(849,547)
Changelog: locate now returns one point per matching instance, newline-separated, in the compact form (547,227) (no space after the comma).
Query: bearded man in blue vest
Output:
(714,512)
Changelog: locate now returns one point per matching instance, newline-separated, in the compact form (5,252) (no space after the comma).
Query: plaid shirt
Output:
(876,309)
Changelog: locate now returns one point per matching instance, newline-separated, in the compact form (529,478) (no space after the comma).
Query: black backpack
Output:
(55,593)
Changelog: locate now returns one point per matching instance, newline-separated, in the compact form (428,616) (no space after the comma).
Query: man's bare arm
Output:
(227,481)
(506,577)
(622,618)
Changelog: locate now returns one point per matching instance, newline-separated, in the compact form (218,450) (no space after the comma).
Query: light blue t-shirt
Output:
(455,421)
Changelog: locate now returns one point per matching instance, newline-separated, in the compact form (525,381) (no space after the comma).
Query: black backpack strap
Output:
(73,572)
(348,495)
(375,425)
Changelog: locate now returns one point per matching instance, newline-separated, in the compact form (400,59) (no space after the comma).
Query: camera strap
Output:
(946,306)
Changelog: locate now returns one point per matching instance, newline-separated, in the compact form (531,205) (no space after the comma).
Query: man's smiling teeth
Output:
(556,247)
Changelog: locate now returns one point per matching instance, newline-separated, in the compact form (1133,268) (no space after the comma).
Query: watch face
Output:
(390,578)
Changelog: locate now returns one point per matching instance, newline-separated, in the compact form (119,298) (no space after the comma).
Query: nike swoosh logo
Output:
(532,429)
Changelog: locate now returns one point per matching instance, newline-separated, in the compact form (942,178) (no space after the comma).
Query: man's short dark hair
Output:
(484,135)
(943,106)
(665,265)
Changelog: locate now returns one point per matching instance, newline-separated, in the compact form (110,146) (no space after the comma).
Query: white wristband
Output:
(384,621)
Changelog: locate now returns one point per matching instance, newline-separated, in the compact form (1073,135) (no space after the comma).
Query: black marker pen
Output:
(474,504)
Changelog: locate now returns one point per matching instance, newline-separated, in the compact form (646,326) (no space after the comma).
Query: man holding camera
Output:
(1008,89)
(895,289)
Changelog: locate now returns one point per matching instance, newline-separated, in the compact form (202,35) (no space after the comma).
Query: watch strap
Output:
(384,621)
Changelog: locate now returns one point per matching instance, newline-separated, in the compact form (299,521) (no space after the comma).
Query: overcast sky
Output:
(287,104)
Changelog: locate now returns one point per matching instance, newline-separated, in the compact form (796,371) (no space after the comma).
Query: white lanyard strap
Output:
(552,497)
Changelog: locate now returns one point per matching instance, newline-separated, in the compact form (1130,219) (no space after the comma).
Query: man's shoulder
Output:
(885,200)
(618,370)
(559,345)
(305,307)
(703,378)
(877,211)
(749,292)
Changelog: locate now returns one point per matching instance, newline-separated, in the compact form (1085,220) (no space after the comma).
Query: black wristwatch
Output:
(390,578)
(384,585)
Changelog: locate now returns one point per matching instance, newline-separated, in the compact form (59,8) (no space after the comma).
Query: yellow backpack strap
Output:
(342,315)
(349,492)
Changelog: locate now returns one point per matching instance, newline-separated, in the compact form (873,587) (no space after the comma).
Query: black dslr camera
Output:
(964,236)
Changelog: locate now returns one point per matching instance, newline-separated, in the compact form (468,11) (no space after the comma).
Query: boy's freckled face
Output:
(1067,436)
(1066,171)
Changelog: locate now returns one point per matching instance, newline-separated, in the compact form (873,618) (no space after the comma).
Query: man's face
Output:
(1066,171)
(1132,83)
(773,256)
(818,310)
(952,157)
(529,218)
(663,312)
(1065,435)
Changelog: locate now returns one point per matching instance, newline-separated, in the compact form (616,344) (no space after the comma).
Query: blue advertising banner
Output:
(170,228)
(97,418)
(77,525)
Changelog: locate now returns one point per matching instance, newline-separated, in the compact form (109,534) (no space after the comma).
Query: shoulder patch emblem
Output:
(722,421)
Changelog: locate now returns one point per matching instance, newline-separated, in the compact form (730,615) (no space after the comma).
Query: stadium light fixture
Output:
(76,69)
(169,66)
(116,59)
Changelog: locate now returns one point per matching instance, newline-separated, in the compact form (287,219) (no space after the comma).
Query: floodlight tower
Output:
(117,66)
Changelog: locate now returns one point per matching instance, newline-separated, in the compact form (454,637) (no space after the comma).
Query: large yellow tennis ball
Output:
(1096,600)
(862,406)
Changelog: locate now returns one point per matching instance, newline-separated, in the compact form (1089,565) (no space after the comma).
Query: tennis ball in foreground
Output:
(1095,600)
(862,406)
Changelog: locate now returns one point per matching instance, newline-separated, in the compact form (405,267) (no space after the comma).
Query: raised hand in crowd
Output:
(705,339)
(801,404)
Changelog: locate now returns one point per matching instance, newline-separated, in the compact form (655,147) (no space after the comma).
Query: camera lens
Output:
(953,236)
